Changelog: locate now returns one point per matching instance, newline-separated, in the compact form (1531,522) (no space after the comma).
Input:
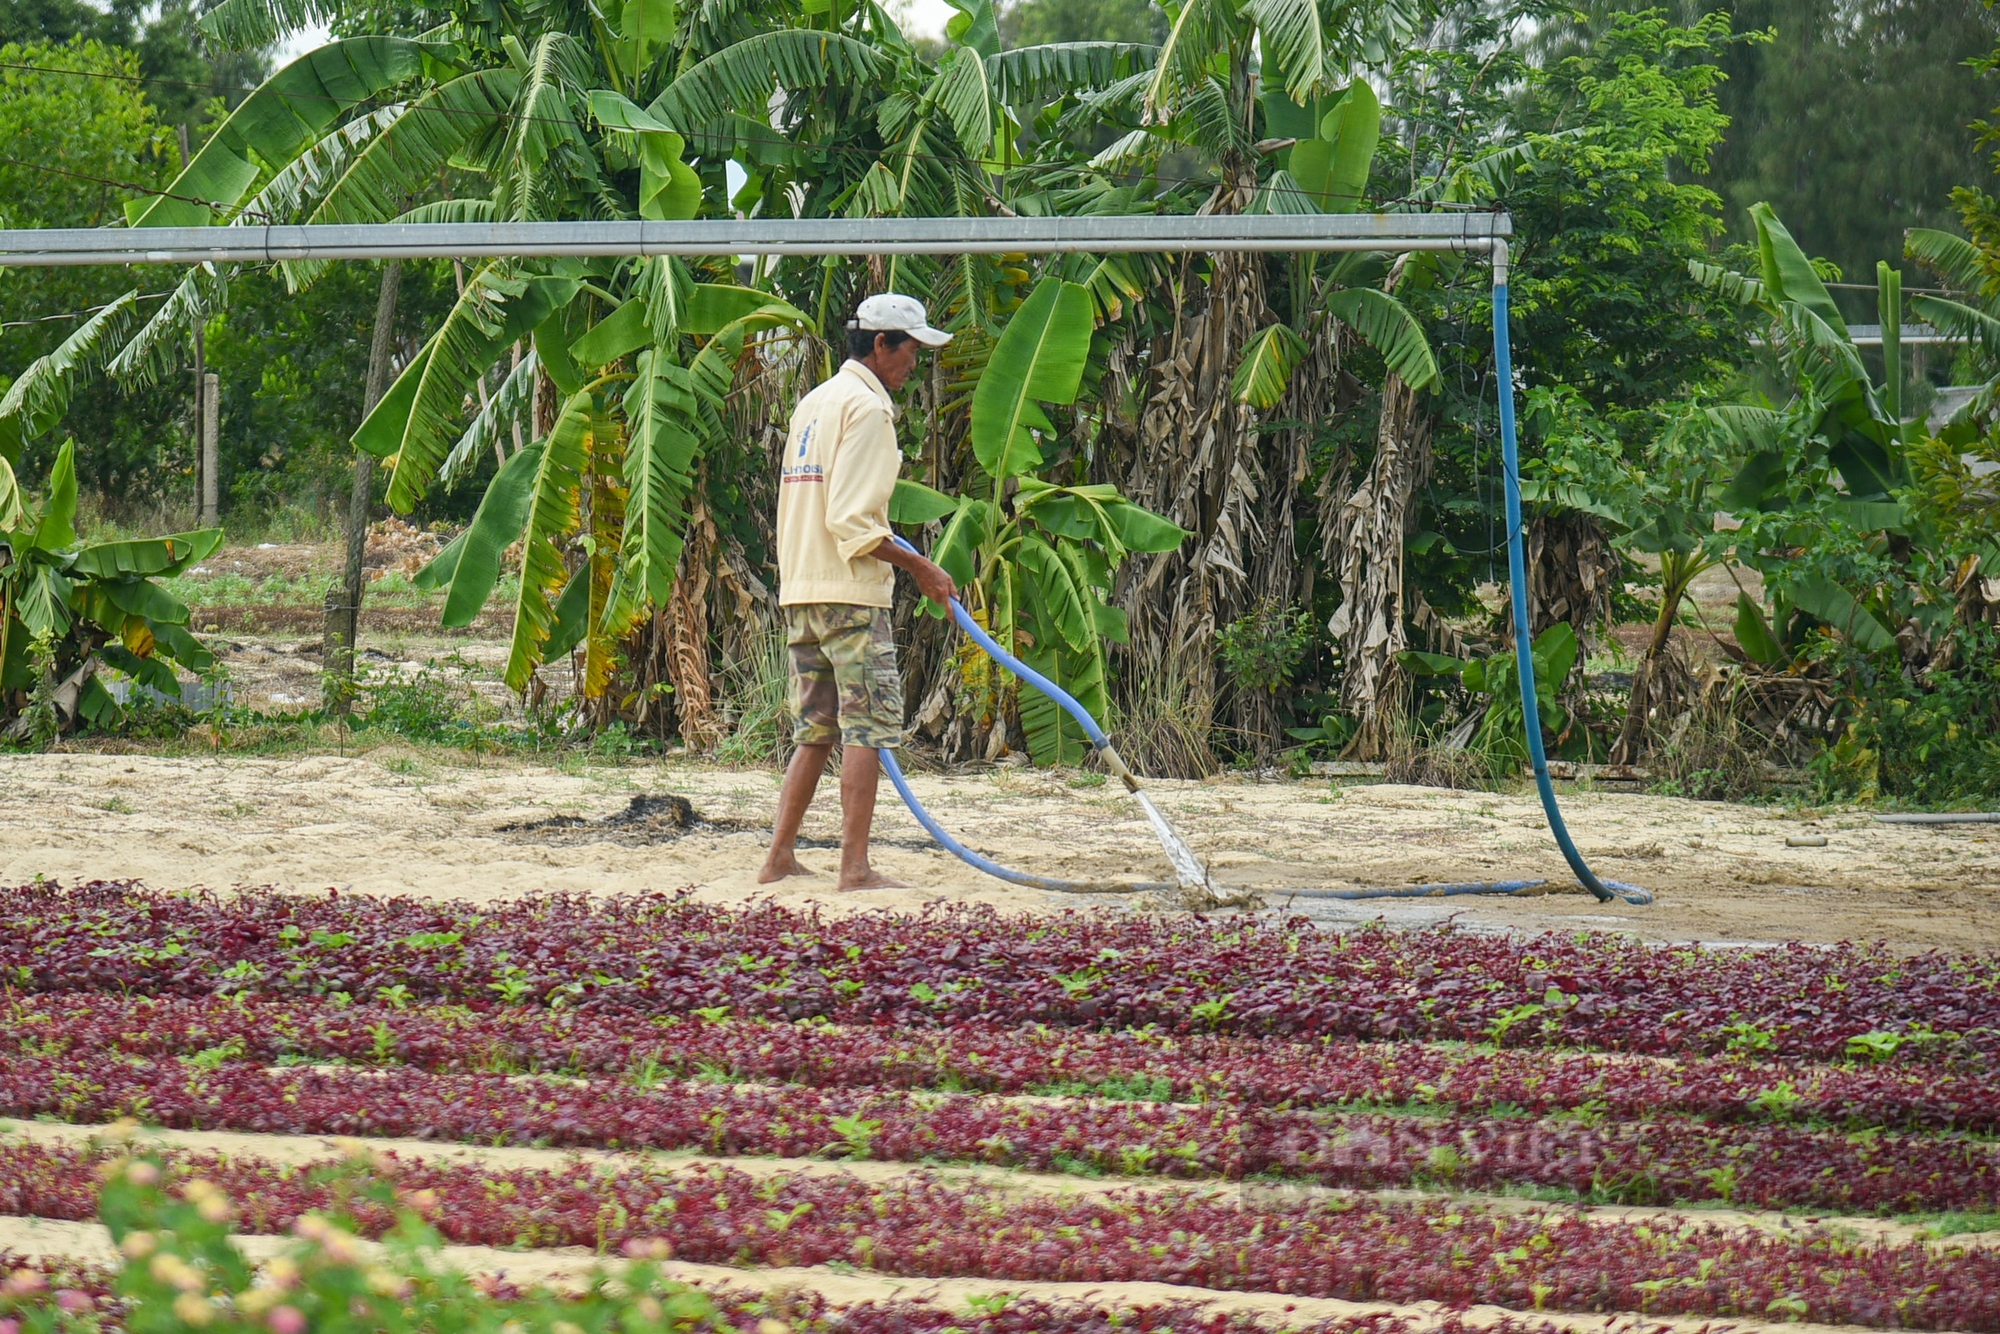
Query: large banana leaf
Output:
(1353,127)
(1733,286)
(915,503)
(961,92)
(663,443)
(56,529)
(513,400)
(1962,263)
(1391,330)
(1758,485)
(287,113)
(976,25)
(502,513)
(1788,274)
(646,29)
(1265,371)
(12,511)
(958,547)
(1066,648)
(1062,607)
(1294,37)
(494,310)
(155,351)
(1139,529)
(147,557)
(553,509)
(40,396)
(1040,356)
(1748,426)
(1044,73)
(669,189)
(244,25)
(1822,597)
(1753,633)
(546,143)
(1826,354)
(409,155)
(742,75)
(1184,57)
(623,330)
(1958,318)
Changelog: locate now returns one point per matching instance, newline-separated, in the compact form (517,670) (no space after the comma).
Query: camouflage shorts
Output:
(845,685)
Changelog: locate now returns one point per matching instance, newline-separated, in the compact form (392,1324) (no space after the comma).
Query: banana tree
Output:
(1036,559)
(1661,505)
(1823,472)
(527,111)
(1972,310)
(69,607)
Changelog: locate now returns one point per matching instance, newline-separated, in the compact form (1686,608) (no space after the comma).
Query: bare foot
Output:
(777,868)
(871,880)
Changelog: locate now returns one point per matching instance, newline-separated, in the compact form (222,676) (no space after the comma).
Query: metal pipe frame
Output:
(1476,233)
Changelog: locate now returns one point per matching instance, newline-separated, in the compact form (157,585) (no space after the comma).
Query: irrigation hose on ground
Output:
(1189,872)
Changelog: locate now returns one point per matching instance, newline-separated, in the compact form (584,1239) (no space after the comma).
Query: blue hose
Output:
(1110,757)
(1524,654)
(983,863)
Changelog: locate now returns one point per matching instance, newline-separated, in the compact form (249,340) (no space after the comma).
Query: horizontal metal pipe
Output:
(49,247)
(1974,817)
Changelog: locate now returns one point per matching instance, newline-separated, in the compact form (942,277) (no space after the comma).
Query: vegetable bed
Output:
(1177,1055)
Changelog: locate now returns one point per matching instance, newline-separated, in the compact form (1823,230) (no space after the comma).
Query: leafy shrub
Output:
(1261,650)
(423,707)
(1934,740)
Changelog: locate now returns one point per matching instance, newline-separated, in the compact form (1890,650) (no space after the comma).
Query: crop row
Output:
(661,955)
(1272,1073)
(1770,1166)
(87,1298)
(1368,1251)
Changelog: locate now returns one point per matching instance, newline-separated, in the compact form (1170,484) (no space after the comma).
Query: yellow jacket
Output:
(839,470)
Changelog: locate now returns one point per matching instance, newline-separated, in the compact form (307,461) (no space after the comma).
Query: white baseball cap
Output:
(892,312)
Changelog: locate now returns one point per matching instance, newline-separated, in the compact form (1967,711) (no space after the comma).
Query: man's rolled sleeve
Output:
(861,481)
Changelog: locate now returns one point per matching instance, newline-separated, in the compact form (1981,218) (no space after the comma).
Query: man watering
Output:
(837,580)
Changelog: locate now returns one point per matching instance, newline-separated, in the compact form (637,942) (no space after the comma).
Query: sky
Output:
(920,18)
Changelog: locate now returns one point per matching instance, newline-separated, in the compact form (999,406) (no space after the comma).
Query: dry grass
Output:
(1161,721)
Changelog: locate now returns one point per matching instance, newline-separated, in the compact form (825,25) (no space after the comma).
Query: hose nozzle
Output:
(1108,756)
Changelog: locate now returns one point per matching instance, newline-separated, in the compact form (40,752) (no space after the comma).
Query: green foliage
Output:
(1934,741)
(68,607)
(1502,733)
(179,1269)
(1263,648)
(1040,575)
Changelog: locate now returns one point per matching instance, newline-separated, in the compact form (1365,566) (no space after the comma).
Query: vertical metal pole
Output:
(1517,578)
(211,429)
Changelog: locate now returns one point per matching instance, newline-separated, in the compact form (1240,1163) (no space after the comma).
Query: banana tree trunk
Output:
(1368,539)
(1573,570)
(687,636)
(1675,576)
(1199,459)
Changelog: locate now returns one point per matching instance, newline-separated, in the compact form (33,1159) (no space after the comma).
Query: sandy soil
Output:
(398,821)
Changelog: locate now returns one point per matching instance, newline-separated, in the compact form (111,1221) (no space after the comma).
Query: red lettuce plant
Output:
(1358,1250)
(1647,1162)
(1273,1073)
(660,955)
